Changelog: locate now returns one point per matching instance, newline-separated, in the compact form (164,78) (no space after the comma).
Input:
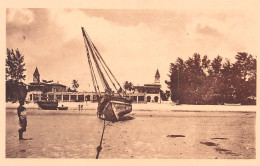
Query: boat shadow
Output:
(123,119)
(126,118)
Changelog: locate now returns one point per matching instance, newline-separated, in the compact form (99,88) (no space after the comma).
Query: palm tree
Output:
(15,66)
(75,84)
(128,86)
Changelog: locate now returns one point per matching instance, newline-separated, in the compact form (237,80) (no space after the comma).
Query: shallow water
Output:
(175,135)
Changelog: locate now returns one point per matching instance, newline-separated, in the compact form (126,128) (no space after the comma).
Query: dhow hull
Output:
(48,105)
(115,110)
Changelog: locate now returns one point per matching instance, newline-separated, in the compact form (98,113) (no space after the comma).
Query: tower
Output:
(36,76)
(157,77)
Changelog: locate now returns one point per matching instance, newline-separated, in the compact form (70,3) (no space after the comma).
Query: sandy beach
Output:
(162,134)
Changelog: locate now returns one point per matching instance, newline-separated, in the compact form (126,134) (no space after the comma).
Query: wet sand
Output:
(148,134)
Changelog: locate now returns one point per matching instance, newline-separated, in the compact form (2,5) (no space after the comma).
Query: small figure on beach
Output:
(21,112)
(80,107)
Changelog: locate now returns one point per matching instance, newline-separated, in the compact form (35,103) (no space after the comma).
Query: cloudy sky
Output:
(134,43)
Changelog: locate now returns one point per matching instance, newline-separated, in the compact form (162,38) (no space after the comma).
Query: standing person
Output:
(21,112)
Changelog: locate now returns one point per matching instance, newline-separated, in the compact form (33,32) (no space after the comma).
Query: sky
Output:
(133,42)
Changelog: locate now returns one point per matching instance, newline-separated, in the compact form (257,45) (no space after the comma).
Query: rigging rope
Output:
(98,59)
(93,76)
(99,148)
(107,66)
(106,71)
(103,80)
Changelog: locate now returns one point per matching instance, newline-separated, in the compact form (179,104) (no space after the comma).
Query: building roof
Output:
(36,72)
(37,83)
(43,83)
(57,84)
(157,73)
(148,86)
(152,85)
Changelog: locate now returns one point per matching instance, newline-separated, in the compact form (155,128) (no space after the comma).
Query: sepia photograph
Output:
(119,83)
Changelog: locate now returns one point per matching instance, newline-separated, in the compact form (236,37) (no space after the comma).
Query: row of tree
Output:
(202,81)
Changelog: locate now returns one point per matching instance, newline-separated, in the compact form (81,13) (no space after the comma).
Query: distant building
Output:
(37,89)
(46,86)
(47,90)
(148,92)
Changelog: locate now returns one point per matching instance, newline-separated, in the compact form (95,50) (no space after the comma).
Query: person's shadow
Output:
(26,139)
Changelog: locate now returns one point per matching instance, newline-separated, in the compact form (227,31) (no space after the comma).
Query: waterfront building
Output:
(47,90)
(148,92)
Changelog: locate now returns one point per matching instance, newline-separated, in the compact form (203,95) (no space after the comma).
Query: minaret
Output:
(36,76)
(157,77)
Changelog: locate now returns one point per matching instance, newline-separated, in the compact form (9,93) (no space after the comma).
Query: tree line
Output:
(15,76)
(199,80)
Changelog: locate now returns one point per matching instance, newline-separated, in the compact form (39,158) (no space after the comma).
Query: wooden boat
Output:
(48,105)
(111,106)
(62,108)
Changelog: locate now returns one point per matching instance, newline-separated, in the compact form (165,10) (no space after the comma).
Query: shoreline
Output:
(150,107)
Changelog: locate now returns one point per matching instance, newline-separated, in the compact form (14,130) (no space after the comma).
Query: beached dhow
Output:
(48,105)
(112,105)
